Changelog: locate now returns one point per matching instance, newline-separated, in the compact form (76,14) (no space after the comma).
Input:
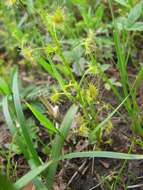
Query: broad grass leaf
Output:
(102,154)
(46,66)
(12,129)
(89,154)
(21,119)
(59,142)
(4,88)
(31,175)
(43,120)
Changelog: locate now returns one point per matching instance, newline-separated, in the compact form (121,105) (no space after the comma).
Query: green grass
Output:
(71,46)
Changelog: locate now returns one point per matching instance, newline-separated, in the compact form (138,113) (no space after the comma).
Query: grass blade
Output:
(103,154)
(21,119)
(4,87)
(31,175)
(59,142)
(89,154)
(122,67)
(5,184)
(45,121)
(92,135)
(7,116)
(12,128)
(46,66)
(58,76)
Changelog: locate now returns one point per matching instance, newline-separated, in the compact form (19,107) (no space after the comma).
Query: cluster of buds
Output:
(27,53)
(89,42)
(91,93)
(57,18)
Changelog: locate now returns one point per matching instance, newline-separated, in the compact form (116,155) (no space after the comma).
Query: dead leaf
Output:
(81,145)
(29,186)
(104,164)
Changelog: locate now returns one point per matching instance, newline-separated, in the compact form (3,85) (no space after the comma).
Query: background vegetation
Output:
(71,87)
